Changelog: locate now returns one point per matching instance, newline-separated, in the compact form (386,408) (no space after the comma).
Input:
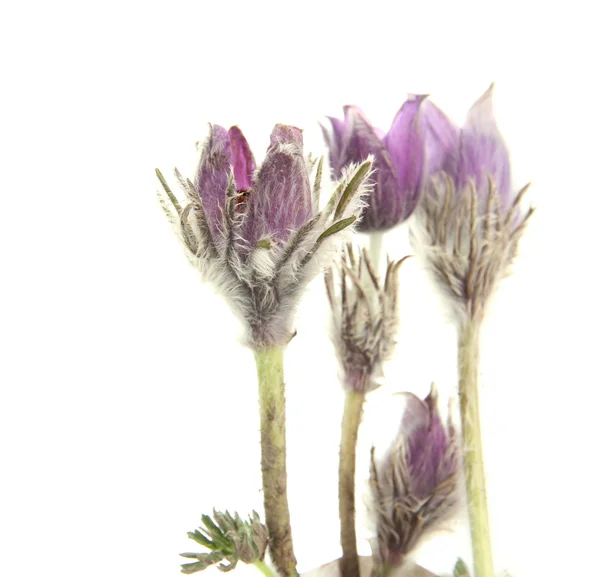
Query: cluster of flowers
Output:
(260,235)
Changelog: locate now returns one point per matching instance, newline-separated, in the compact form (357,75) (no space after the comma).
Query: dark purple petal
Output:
(428,445)
(385,207)
(243,161)
(280,201)
(405,143)
(483,152)
(442,139)
(213,174)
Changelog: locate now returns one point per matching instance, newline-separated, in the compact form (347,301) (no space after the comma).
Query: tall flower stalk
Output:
(258,236)
(468,387)
(271,394)
(467,231)
(365,319)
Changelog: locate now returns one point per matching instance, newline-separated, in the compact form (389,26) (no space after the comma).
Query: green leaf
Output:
(189,568)
(336,227)
(219,539)
(460,569)
(264,243)
(204,560)
(230,567)
(352,187)
(200,538)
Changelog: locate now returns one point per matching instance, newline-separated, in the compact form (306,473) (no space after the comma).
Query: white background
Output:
(128,406)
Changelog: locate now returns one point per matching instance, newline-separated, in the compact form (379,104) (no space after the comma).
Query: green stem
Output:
(468,363)
(264,568)
(269,365)
(375,249)
(382,570)
(350,422)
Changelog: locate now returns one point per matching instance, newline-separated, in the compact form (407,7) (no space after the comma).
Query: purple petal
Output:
(416,414)
(281,201)
(483,152)
(405,143)
(284,134)
(427,444)
(360,137)
(442,139)
(385,207)
(213,174)
(243,161)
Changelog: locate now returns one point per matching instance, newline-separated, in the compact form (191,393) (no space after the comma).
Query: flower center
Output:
(241,199)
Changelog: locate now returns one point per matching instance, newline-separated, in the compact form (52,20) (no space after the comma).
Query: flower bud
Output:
(415,486)
(365,318)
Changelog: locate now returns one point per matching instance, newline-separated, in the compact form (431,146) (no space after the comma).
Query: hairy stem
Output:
(350,423)
(269,364)
(375,248)
(468,363)
(264,568)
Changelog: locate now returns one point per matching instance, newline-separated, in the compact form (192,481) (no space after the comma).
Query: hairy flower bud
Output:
(399,157)
(256,233)
(365,318)
(415,487)
(470,218)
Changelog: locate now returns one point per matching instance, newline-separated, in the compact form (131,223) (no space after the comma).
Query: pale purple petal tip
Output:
(213,174)
(442,138)
(483,152)
(405,143)
(243,161)
(416,414)
(285,134)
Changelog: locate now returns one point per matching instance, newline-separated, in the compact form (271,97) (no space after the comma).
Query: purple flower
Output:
(256,233)
(399,157)
(470,218)
(415,487)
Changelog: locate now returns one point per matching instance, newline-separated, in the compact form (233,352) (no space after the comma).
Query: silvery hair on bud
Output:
(364,317)
(467,241)
(263,283)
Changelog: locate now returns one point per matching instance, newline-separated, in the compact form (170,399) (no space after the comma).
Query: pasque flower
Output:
(398,155)
(470,217)
(257,233)
(415,486)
